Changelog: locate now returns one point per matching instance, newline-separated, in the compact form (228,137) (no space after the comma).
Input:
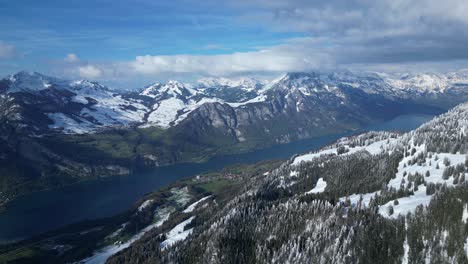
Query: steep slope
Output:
(56,131)
(297,106)
(43,104)
(47,104)
(376,198)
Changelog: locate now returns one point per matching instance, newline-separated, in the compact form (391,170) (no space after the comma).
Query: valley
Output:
(56,132)
(234,132)
(112,195)
(340,195)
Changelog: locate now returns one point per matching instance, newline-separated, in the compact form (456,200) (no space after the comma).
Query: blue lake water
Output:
(47,210)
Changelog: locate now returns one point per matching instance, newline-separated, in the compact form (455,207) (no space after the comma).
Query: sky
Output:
(129,43)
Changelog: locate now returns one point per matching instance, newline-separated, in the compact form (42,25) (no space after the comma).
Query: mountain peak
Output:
(21,75)
(80,84)
(174,83)
(25,81)
(171,88)
(242,82)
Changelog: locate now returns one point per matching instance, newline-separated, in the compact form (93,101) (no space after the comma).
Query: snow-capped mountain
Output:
(46,104)
(245,83)
(326,205)
(169,89)
(43,104)
(31,82)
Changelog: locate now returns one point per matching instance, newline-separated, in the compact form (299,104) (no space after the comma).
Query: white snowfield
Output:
(246,83)
(192,207)
(319,187)
(177,233)
(409,204)
(103,254)
(374,149)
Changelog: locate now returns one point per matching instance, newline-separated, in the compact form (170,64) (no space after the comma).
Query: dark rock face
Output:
(290,113)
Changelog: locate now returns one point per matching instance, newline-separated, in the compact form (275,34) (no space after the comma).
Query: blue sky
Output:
(123,29)
(130,42)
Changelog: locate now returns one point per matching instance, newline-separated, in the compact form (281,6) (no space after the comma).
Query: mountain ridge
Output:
(134,106)
(68,131)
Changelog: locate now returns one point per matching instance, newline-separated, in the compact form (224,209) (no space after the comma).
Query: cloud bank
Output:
(361,34)
(89,72)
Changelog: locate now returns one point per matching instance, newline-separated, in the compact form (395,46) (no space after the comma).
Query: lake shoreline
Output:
(173,172)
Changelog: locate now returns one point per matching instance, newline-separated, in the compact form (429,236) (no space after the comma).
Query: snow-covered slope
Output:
(434,156)
(83,106)
(337,205)
(174,101)
(32,82)
(246,83)
(69,106)
(333,205)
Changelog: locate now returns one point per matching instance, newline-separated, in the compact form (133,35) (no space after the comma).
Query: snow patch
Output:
(374,149)
(68,124)
(145,204)
(465,213)
(406,204)
(177,233)
(192,207)
(355,198)
(103,254)
(319,187)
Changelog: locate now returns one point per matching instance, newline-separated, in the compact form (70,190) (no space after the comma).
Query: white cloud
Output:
(89,72)
(384,31)
(345,34)
(7,50)
(281,58)
(71,58)
(385,34)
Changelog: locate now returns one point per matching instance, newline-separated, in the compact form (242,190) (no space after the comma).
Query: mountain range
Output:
(55,132)
(377,197)
(46,104)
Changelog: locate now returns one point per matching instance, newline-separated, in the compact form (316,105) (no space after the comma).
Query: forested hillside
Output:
(375,198)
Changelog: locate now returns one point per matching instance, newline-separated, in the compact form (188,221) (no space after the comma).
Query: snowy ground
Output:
(355,198)
(406,204)
(465,214)
(177,233)
(70,125)
(180,196)
(409,204)
(192,207)
(145,204)
(374,148)
(319,187)
(103,254)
